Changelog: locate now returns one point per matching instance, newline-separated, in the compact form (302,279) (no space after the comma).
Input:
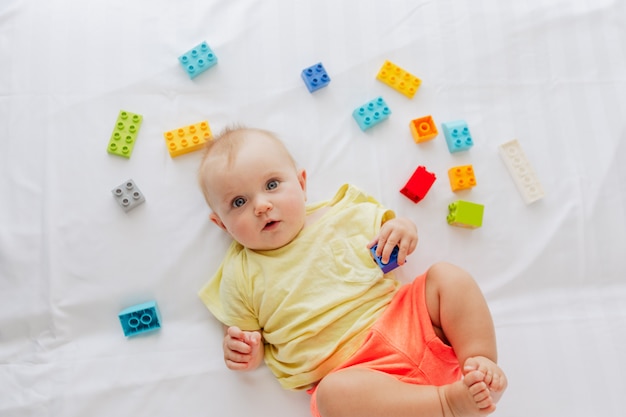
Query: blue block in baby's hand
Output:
(393,259)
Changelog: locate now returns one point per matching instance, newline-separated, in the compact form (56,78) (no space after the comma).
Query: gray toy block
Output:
(128,195)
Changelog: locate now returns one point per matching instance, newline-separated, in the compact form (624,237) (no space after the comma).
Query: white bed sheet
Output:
(550,73)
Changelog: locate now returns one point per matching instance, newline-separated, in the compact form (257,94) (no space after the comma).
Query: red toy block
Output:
(419,184)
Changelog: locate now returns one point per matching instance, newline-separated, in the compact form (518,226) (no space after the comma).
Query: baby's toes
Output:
(498,383)
(473,364)
(489,375)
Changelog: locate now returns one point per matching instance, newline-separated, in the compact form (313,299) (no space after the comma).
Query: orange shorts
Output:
(403,343)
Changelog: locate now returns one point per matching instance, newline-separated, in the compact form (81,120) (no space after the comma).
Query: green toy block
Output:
(124,134)
(465,214)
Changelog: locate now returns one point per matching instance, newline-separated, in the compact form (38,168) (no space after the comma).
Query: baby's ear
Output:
(216,219)
(302,179)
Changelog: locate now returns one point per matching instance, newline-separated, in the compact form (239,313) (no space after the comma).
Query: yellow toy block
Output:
(398,79)
(461,177)
(423,129)
(187,139)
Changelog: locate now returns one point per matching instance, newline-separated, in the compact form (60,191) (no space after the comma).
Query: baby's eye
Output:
(238,202)
(272,184)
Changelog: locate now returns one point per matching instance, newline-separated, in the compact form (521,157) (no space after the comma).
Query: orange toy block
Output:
(187,139)
(423,129)
(398,79)
(461,177)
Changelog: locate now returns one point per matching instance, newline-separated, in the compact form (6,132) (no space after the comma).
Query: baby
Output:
(299,289)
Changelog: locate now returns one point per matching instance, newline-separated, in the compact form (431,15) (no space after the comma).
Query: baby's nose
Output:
(262,206)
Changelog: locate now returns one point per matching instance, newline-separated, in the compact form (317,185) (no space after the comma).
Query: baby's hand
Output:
(400,232)
(243,351)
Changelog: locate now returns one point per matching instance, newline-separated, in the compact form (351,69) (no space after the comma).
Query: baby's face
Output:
(260,198)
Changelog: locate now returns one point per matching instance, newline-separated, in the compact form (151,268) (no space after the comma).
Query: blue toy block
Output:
(128,195)
(393,259)
(197,60)
(140,318)
(372,113)
(457,136)
(315,77)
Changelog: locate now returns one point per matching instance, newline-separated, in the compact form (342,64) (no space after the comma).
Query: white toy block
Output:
(521,171)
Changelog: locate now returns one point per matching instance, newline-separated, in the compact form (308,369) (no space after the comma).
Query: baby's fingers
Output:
(235,333)
(236,361)
(237,346)
(406,247)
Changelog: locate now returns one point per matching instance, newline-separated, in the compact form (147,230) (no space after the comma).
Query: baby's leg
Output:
(365,393)
(461,317)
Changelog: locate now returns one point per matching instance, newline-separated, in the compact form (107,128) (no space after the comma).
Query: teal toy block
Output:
(197,60)
(393,259)
(128,195)
(124,136)
(457,136)
(141,318)
(465,214)
(315,77)
(372,113)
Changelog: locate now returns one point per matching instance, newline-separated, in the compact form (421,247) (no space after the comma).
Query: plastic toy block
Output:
(461,177)
(465,214)
(522,172)
(423,129)
(393,259)
(124,134)
(187,139)
(197,60)
(398,79)
(457,135)
(315,77)
(128,195)
(140,318)
(419,184)
(372,113)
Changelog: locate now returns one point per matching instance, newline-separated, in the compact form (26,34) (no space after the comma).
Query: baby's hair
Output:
(226,144)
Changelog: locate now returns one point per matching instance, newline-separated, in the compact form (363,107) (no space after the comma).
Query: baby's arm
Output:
(400,232)
(243,350)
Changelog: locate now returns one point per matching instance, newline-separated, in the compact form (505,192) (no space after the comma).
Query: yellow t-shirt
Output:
(315,298)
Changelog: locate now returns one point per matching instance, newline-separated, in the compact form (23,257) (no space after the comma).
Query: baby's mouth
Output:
(271,224)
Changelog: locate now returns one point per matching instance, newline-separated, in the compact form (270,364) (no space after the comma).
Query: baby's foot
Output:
(467,398)
(494,376)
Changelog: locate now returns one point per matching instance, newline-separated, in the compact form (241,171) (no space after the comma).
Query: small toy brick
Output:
(124,134)
(187,139)
(461,177)
(315,77)
(372,113)
(419,184)
(457,135)
(128,195)
(140,318)
(197,60)
(423,129)
(465,214)
(521,171)
(393,259)
(398,79)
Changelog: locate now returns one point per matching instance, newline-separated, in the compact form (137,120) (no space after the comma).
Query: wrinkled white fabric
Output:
(550,73)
